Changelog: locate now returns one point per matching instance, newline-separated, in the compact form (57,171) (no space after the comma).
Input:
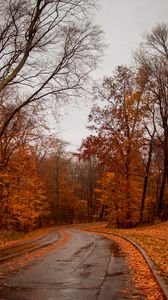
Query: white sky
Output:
(124,22)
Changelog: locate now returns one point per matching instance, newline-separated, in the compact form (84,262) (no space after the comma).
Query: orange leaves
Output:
(24,201)
(121,146)
(153,239)
(145,284)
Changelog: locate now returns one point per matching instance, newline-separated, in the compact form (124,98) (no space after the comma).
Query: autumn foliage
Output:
(121,171)
(129,137)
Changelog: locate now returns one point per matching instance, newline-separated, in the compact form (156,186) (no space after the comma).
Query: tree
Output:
(57,169)
(91,176)
(130,134)
(47,48)
(25,127)
(119,136)
(23,203)
(147,172)
(85,174)
(22,191)
(149,136)
(153,58)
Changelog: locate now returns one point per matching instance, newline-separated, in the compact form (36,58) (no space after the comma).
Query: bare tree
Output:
(153,57)
(150,131)
(47,48)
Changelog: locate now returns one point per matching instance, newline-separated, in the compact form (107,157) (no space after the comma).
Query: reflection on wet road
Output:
(88,267)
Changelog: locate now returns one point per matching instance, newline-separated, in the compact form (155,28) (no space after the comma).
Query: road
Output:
(87,267)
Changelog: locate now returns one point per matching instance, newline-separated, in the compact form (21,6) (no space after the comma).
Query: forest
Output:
(120,173)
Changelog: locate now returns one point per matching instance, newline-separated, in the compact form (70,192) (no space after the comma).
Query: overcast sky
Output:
(124,22)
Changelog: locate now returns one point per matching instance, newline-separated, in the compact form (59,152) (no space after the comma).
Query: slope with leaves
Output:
(153,239)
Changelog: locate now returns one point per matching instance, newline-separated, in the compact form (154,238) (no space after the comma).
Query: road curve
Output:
(86,267)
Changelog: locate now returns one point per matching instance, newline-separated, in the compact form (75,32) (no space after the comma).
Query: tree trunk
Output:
(128,220)
(91,186)
(162,191)
(165,171)
(146,179)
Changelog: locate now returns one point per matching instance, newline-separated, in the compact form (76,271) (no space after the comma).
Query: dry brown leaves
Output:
(154,240)
(142,276)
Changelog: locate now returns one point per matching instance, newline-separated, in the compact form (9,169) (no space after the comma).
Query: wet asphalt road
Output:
(88,267)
